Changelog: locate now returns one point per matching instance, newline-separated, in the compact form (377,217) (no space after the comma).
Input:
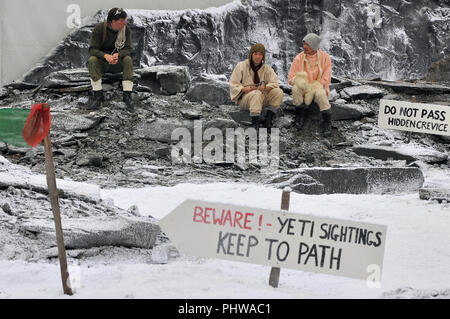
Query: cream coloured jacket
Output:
(243,76)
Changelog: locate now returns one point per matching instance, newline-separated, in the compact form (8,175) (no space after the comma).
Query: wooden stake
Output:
(54,200)
(274,278)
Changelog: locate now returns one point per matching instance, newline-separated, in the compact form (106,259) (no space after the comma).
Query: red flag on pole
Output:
(38,124)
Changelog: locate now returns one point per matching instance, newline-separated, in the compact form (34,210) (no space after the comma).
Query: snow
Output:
(417,251)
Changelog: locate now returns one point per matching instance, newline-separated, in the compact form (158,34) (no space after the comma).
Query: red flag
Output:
(38,124)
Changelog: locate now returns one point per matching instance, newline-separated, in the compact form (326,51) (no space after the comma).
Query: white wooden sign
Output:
(277,239)
(414,117)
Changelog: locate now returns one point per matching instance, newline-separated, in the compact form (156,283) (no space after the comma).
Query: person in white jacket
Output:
(254,85)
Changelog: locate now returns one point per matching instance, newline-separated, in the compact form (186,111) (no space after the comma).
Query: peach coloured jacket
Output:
(313,74)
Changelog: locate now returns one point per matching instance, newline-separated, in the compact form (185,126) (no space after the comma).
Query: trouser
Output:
(319,97)
(256,100)
(99,66)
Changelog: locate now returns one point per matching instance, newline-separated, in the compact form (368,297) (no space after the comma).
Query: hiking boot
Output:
(128,100)
(300,117)
(269,121)
(326,124)
(95,100)
(255,122)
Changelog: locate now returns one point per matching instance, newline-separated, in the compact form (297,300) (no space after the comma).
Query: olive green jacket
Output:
(99,48)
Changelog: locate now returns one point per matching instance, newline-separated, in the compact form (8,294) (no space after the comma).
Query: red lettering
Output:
(218,220)
(228,217)
(247,220)
(206,215)
(237,219)
(198,212)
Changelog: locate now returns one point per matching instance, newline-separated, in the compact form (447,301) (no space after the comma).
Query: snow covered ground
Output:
(417,252)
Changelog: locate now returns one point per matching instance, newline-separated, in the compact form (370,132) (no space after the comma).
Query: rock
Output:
(349,111)
(366,127)
(366,180)
(334,95)
(90,159)
(445,138)
(77,78)
(412,88)
(212,92)
(161,130)
(439,71)
(408,153)
(300,183)
(191,115)
(362,92)
(7,209)
(21,85)
(84,233)
(439,194)
(73,123)
(134,210)
(169,78)
(3,93)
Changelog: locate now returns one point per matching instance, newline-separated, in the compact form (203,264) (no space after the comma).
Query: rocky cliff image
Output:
(394,50)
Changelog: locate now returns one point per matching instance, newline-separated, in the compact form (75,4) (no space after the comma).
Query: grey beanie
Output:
(313,41)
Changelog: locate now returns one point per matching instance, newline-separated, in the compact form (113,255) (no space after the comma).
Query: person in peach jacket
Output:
(317,64)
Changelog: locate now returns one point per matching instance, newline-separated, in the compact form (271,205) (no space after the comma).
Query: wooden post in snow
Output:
(275,272)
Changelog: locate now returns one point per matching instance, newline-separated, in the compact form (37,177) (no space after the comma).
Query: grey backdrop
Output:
(29,29)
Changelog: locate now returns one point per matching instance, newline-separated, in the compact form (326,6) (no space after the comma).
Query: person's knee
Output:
(278,95)
(93,60)
(127,60)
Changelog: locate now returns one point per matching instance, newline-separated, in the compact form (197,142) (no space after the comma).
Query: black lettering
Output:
(252,242)
(220,244)
(337,258)
(271,241)
(230,244)
(278,251)
(239,244)
(303,249)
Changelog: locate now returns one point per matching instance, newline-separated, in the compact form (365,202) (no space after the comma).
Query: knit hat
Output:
(258,47)
(313,40)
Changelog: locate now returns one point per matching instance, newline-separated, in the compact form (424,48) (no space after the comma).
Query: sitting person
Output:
(110,50)
(254,84)
(314,67)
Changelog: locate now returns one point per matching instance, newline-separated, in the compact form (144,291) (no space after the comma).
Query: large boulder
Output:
(364,180)
(341,111)
(410,153)
(214,92)
(362,92)
(91,232)
(169,78)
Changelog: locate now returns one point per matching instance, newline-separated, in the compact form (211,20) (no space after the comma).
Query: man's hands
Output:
(261,88)
(112,59)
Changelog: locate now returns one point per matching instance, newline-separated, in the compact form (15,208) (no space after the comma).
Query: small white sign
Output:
(277,238)
(414,117)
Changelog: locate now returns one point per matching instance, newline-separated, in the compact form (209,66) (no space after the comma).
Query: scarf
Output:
(255,71)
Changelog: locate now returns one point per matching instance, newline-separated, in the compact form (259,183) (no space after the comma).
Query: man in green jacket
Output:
(110,52)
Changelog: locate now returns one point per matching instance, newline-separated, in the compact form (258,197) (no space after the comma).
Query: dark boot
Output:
(269,121)
(255,122)
(326,124)
(300,117)
(128,101)
(95,100)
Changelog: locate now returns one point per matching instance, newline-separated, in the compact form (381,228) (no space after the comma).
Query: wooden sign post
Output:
(274,278)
